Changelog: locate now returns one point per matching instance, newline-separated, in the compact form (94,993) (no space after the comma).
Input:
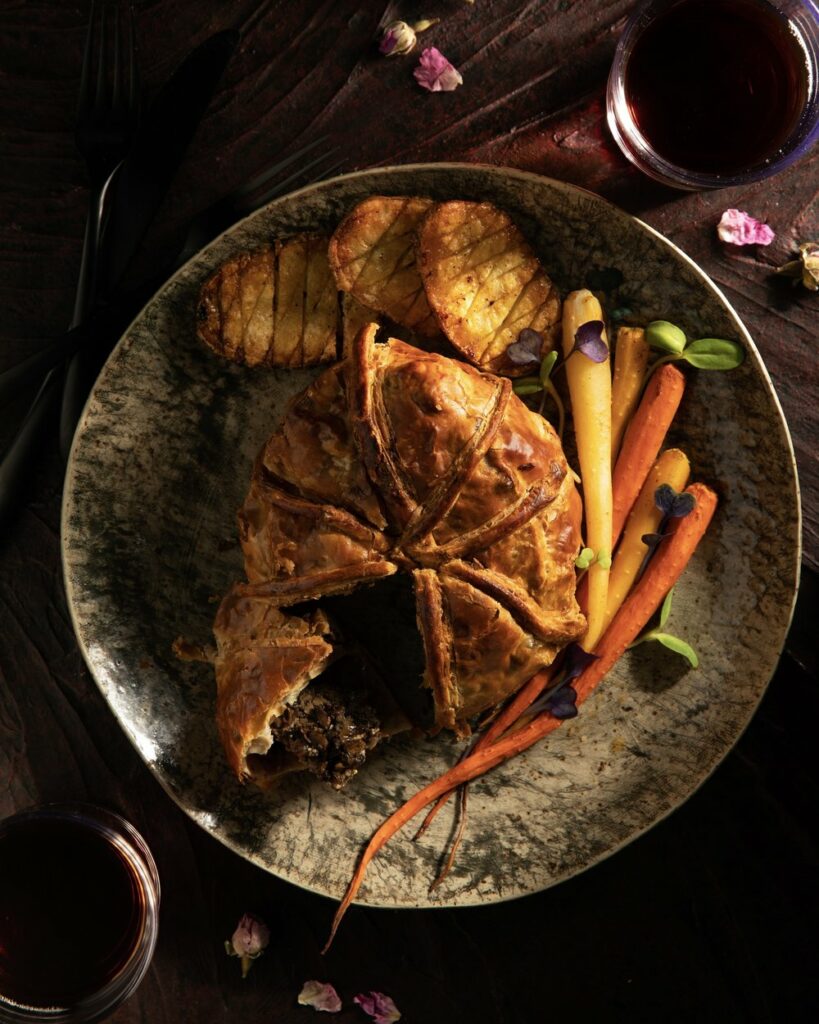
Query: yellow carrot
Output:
(673,468)
(630,362)
(590,391)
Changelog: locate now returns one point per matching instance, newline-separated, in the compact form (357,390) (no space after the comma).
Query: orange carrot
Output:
(643,439)
(662,573)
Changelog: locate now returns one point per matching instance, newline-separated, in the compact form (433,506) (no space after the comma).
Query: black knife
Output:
(141,185)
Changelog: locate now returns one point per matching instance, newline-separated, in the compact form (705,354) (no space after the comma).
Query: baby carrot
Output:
(590,391)
(671,468)
(630,361)
(642,441)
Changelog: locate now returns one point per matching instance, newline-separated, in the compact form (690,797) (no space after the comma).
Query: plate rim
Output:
(448,166)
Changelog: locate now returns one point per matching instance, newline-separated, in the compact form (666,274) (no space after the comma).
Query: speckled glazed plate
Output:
(162,460)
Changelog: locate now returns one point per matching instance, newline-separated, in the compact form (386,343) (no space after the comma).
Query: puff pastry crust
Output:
(400,460)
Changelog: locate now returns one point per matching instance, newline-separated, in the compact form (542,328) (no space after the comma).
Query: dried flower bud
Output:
(248,941)
(806,268)
(397,38)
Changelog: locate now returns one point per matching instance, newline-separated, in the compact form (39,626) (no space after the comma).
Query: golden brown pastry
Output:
(403,461)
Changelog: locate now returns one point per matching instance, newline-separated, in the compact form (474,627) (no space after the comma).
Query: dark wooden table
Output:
(711,916)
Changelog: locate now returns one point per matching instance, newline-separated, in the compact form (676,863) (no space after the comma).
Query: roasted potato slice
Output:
(235,312)
(484,283)
(372,253)
(276,306)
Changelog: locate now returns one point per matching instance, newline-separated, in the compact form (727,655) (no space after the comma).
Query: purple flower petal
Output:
(434,72)
(388,42)
(526,350)
(378,1006)
(673,504)
(320,995)
(739,228)
(588,339)
(563,702)
(577,660)
(651,540)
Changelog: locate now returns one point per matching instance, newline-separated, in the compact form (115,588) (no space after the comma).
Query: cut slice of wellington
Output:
(398,463)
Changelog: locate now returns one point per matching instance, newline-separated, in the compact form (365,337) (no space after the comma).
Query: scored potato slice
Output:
(235,311)
(372,253)
(275,307)
(484,283)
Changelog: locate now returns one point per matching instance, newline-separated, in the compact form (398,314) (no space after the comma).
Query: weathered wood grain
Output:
(701,919)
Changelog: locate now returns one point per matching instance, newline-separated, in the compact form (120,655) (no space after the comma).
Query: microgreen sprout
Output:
(673,643)
(526,351)
(589,557)
(703,353)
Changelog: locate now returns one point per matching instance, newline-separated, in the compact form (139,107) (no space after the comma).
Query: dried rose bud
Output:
(397,38)
(249,941)
(806,268)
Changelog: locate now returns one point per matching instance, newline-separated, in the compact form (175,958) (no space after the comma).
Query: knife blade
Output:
(140,186)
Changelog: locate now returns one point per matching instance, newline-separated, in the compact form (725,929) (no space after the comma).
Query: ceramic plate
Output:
(162,460)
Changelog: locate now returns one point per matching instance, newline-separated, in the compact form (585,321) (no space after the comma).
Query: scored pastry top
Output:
(399,460)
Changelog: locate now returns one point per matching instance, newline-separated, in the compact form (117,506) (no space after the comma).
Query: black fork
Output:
(107,116)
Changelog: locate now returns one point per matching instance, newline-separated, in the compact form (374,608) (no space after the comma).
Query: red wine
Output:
(717,86)
(72,911)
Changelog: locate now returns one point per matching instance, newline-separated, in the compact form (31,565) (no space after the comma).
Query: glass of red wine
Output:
(711,93)
(79,913)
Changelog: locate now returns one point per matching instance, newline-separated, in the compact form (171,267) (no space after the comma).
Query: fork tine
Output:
(133,83)
(100,97)
(85,74)
(116,93)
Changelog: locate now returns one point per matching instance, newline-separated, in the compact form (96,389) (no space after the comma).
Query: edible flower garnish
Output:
(248,941)
(739,228)
(704,353)
(321,996)
(674,504)
(560,700)
(435,73)
(806,268)
(378,1006)
(398,37)
(588,339)
(673,643)
(526,350)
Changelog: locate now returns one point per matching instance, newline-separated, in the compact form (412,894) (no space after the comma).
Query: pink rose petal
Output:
(739,228)
(251,936)
(321,996)
(378,1006)
(434,72)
